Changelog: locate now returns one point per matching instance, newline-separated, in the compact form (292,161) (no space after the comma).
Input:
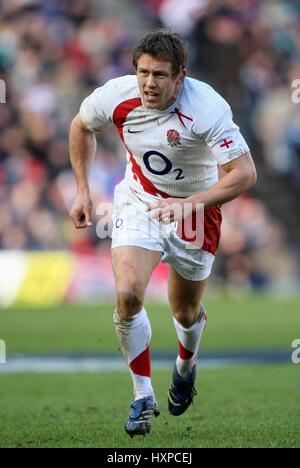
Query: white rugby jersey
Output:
(174,152)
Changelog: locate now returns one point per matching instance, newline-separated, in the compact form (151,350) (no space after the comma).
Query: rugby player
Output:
(178,132)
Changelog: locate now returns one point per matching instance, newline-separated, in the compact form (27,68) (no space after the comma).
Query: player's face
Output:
(158,87)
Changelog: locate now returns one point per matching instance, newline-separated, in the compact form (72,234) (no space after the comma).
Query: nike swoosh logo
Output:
(134,131)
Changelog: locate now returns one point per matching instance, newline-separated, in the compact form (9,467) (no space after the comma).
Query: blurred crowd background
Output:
(53,53)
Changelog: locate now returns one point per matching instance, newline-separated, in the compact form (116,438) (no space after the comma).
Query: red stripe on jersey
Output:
(212,229)
(183,352)
(141,364)
(119,117)
(121,112)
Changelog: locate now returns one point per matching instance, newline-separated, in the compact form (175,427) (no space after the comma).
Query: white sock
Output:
(189,342)
(134,336)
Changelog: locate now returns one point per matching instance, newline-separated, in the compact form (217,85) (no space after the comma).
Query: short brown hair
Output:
(163,44)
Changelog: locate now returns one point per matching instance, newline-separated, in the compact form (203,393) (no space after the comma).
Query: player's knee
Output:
(129,302)
(186,314)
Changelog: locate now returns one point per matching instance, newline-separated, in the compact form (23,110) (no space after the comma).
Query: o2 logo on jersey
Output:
(168,165)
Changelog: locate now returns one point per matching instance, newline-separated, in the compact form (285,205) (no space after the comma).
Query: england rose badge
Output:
(173,138)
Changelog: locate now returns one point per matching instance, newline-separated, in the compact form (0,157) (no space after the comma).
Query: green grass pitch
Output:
(235,407)
(250,406)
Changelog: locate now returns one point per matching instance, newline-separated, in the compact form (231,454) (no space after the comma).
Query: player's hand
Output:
(170,209)
(81,211)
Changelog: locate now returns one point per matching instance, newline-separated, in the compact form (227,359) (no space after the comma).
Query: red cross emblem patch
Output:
(226,143)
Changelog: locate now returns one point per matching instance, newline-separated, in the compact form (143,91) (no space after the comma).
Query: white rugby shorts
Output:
(134,226)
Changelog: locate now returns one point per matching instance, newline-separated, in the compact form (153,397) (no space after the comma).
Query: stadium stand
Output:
(54,52)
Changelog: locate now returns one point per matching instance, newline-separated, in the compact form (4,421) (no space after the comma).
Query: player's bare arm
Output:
(240,176)
(82,144)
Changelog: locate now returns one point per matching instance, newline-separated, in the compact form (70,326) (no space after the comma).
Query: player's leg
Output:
(189,320)
(132,268)
(189,317)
